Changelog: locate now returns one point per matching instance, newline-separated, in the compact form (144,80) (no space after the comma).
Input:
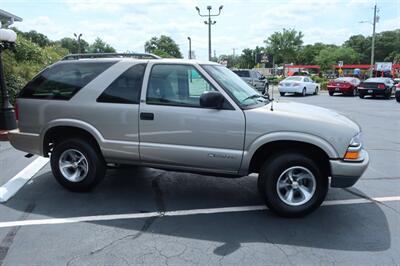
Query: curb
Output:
(3,135)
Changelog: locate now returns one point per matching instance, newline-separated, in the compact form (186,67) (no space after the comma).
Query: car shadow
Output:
(361,227)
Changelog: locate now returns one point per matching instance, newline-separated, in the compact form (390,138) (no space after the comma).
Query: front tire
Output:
(292,184)
(77,164)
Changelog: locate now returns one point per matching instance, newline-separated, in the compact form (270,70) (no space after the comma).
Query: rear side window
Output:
(242,73)
(63,80)
(126,88)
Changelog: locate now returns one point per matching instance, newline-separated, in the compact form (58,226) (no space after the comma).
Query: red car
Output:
(345,85)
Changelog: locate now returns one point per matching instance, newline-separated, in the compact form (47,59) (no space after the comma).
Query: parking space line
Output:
(111,217)
(19,180)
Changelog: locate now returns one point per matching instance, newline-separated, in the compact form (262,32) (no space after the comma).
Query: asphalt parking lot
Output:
(148,216)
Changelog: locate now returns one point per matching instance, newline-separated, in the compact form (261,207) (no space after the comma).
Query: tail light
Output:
(16,111)
(381,86)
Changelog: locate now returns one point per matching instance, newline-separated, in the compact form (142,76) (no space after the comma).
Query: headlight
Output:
(353,152)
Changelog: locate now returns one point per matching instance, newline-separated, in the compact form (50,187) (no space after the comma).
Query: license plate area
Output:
(370,91)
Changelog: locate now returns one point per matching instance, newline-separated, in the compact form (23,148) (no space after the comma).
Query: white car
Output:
(298,84)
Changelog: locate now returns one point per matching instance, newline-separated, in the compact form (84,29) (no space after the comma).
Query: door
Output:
(258,81)
(175,131)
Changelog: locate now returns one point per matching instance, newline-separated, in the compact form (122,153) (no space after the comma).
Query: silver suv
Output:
(254,78)
(184,115)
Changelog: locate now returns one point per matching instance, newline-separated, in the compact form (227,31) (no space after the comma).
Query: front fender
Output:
(285,136)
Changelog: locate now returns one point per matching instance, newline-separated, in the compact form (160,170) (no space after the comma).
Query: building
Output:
(7,18)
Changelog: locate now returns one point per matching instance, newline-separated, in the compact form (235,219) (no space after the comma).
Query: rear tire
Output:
(309,177)
(316,91)
(361,95)
(282,93)
(303,93)
(77,164)
(331,93)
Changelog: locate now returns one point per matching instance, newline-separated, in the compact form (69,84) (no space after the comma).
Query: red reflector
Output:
(381,86)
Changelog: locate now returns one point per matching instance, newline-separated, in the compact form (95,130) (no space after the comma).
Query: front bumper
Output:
(27,142)
(345,174)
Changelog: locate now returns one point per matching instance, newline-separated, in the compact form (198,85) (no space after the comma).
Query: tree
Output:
(361,45)
(284,45)
(331,55)
(163,46)
(307,54)
(246,59)
(72,45)
(99,46)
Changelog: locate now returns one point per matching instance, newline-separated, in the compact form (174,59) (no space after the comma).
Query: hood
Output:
(324,123)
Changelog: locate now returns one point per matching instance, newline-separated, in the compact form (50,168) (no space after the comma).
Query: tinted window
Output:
(176,85)
(126,88)
(242,73)
(63,80)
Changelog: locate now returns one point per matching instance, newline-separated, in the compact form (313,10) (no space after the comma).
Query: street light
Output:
(373,23)
(78,37)
(209,23)
(7,113)
(190,48)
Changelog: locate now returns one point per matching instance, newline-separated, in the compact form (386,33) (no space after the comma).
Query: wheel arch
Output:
(273,143)
(62,129)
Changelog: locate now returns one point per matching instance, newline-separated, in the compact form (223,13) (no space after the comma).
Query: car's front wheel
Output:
(292,184)
(77,165)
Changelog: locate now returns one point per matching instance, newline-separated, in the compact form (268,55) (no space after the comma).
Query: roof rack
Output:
(111,55)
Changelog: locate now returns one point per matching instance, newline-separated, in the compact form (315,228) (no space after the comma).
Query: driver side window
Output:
(178,85)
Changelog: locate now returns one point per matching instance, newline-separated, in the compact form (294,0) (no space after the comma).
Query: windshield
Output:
(239,90)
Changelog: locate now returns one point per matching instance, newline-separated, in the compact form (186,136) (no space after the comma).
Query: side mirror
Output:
(262,77)
(211,99)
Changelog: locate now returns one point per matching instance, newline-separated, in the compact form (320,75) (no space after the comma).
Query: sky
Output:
(128,24)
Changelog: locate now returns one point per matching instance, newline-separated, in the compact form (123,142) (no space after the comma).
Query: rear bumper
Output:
(290,89)
(373,91)
(346,174)
(339,89)
(27,142)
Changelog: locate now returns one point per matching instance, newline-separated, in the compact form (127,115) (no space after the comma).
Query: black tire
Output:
(360,95)
(331,93)
(355,92)
(304,92)
(95,164)
(272,170)
(316,91)
(282,93)
(398,96)
(388,95)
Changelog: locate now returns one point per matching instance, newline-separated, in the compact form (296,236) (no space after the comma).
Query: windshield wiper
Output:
(256,96)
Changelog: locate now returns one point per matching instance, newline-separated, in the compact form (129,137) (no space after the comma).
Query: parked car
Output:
(397,93)
(344,85)
(299,85)
(376,87)
(184,115)
(254,78)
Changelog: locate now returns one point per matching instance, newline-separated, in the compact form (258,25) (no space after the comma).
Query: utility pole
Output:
(373,44)
(209,23)
(190,48)
(78,37)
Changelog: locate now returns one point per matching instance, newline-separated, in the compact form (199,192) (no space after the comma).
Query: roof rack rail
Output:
(111,55)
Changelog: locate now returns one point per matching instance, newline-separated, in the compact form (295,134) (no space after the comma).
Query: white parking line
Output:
(19,180)
(97,218)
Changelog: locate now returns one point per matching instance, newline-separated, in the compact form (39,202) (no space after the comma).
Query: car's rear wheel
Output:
(331,93)
(77,165)
(355,92)
(398,96)
(316,91)
(303,93)
(282,93)
(292,184)
(361,95)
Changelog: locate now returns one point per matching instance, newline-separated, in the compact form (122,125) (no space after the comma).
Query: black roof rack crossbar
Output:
(111,55)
